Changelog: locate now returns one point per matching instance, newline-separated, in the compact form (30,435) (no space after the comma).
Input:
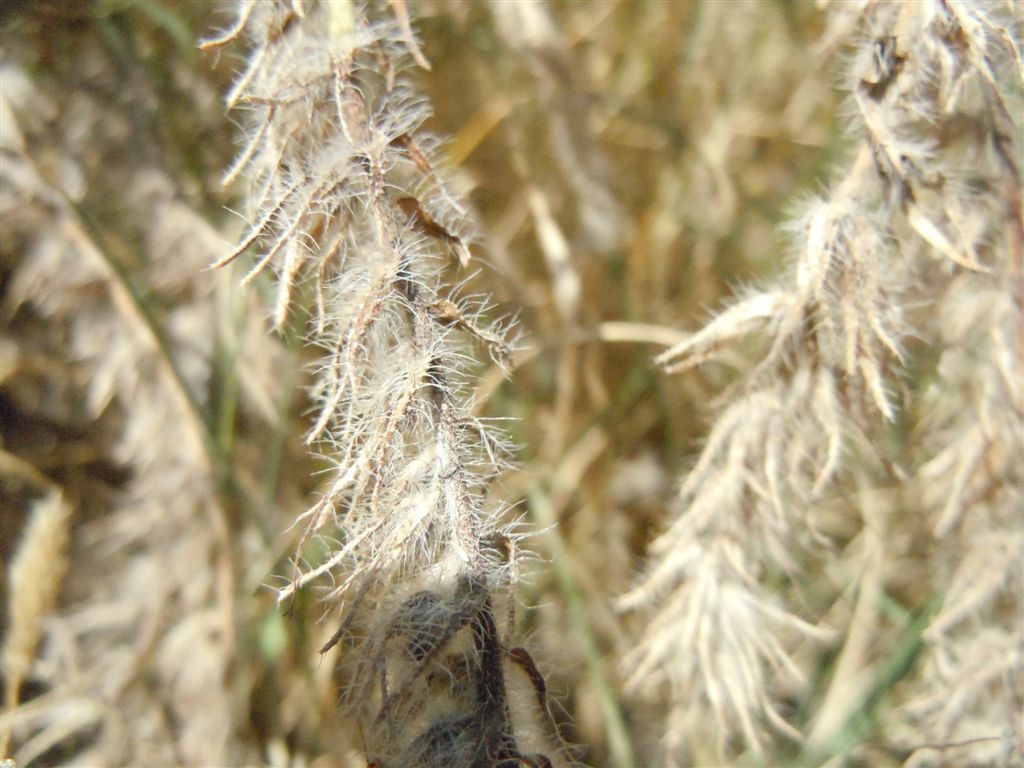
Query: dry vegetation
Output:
(667,412)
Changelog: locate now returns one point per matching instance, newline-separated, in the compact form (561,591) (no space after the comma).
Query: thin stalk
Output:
(618,733)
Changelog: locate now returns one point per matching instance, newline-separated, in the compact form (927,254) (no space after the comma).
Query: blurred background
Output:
(629,166)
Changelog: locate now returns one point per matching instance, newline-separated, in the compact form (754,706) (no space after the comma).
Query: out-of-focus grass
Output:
(701,121)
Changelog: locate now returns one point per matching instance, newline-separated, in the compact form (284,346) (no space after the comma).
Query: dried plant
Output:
(801,419)
(326,504)
(36,574)
(144,631)
(342,179)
